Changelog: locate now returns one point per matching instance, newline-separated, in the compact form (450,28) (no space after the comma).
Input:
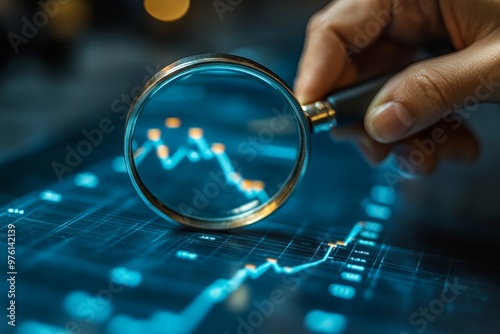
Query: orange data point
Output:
(162,152)
(247,185)
(258,185)
(173,122)
(154,134)
(250,266)
(195,133)
(270,259)
(340,243)
(218,148)
(332,244)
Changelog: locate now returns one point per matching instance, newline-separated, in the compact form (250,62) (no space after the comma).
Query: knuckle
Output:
(315,23)
(430,85)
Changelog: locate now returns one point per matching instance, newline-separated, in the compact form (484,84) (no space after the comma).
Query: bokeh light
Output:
(71,19)
(167,10)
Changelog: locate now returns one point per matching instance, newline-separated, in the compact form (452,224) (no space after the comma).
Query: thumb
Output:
(424,93)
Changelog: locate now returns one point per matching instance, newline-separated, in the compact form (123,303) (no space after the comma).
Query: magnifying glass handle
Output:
(345,106)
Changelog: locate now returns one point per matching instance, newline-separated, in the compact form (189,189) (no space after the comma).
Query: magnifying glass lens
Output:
(215,143)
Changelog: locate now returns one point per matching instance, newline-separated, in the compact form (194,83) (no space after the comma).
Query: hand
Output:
(348,39)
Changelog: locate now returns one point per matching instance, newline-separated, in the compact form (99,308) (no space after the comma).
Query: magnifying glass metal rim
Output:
(174,71)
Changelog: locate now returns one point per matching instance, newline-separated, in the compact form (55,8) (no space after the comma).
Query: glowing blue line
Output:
(263,196)
(183,152)
(169,163)
(203,146)
(228,168)
(192,315)
(280,152)
(146,148)
(305,265)
(354,232)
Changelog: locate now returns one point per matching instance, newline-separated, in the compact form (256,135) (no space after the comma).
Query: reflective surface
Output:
(215,142)
(93,259)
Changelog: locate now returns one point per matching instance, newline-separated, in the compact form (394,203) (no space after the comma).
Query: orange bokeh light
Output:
(154,134)
(162,152)
(167,10)
(195,133)
(172,122)
(218,148)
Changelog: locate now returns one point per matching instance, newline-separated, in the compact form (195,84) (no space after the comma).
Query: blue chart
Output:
(196,150)
(194,313)
(108,265)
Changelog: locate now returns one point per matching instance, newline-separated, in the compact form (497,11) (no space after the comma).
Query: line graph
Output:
(193,314)
(198,149)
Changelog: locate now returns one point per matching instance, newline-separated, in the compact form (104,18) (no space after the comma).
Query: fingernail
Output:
(389,122)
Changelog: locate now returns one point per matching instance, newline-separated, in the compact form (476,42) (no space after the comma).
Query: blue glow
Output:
(126,277)
(50,196)
(207,237)
(186,255)
(366,242)
(192,315)
(216,292)
(86,180)
(226,165)
(34,327)
(126,325)
(118,165)
(355,267)
(79,304)
(357,259)
(16,211)
(171,163)
(378,211)
(351,276)
(354,232)
(383,194)
(143,151)
(369,235)
(280,152)
(205,150)
(393,166)
(325,322)
(372,226)
(342,291)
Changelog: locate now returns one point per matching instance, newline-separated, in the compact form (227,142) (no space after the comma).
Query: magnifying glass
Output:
(217,141)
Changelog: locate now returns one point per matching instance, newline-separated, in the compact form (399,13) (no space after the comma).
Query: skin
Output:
(415,101)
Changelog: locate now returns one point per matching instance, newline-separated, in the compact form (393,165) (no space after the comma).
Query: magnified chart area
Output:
(215,143)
